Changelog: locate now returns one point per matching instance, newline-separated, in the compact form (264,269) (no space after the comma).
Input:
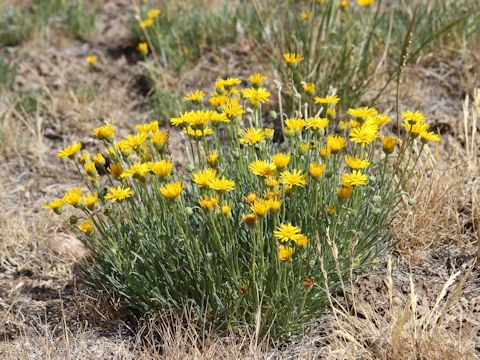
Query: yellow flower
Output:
(294,178)
(325,152)
(146,23)
(115,169)
(309,88)
(159,138)
(292,58)
(98,159)
(286,232)
(415,129)
(363,112)
(131,142)
(197,133)
(212,158)
(256,96)
(251,136)
(90,200)
(336,143)
(275,204)
(389,143)
(295,124)
(250,198)
(217,100)
(54,205)
(195,96)
(364,134)
(227,84)
(250,220)
(172,190)
(343,5)
(150,127)
(271,182)
(86,227)
(104,132)
(137,170)
(427,136)
(316,170)
(257,79)
(221,184)
(344,192)
(331,112)
(118,194)
(260,207)
(305,15)
(355,163)
(208,203)
(142,48)
(90,168)
(304,147)
(203,178)
(232,108)
(262,168)
(152,14)
(84,157)
(355,178)
(161,168)
(280,161)
(331,209)
(301,241)
(73,196)
(317,123)
(365,3)
(411,117)
(327,100)
(91,59)
(269,133)
(226,209)
(70,151)
(285,253)
(381,119)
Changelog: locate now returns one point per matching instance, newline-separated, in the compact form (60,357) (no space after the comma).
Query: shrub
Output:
(257,232)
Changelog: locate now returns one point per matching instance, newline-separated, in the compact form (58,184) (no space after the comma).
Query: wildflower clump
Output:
(255,231)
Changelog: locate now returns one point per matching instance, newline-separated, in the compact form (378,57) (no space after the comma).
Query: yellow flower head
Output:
(411,117)
(142,48)
(54,205)
(427,136)
(73,196)
(152,14)
(232,108)
(260,207)
(336,143)
(355,163)
(301,241)
(331,210)
(98,159)
(91,59)
(250,198)
(118,194)
(325,152)
(286,232)
(84,157)
(292,58)
(212,158)
(159,138)
(90,168)
(280,161)
(251,136)
(256,96)
(195,96)
(105,132)
(381,119)
(389,144)
(316,170)
(354,178)
(115,169)
(221,184)
(294,178)
(305,15)
(363,112)
(285,253)
(131,142)
(86,227)
(197,133)
(70,151)
(364,134)
(262,168)
(150,127)
(250,220)
(269,133)
(227,84)
(208,203)
(203,178)
(146,23)
(172,190)
(275,204)
(295,124)
(161,168)
(90,200)
(226,209)
(416,128)
(344,192)
(137,170)
(271,182)
(309,88)
(317,123)
(327,100)
(343,5)
(331,112)
(257,79)
(217,100)
(365,3)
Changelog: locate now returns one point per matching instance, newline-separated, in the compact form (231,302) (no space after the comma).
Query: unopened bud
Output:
(73,220)
(411,201)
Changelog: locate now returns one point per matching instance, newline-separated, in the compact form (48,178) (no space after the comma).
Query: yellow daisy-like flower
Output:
(327,100)
(316,170)
(257,79)
(355,163)
(91,59)
(86,227)
(69,151)
(256,96)
(150,127)
(137,170)
(90,168)
(73,196)
(295,124)
(84,157)
(208,203)
(365,3)
(287,232)
(427,136)
(363,112)
(301,241)
(317,123)
(355,178)
(54,205)
(381,119)
(115,169)
(309,88)
(344,192)
(146,23)
(195,96)
(325,152)
(98,159)
(364,134)
(415,129)
(172,190)
(152,14)
(212,158)
(285,253)
(280,161)
(271,182)
(232,108)
(411,117)
(227,84)
(197,133)
(226,209)
(222,184)
(118,194)
(262,168)
(275,204)
(159,138)
(343,5)
(292,58)
(142,48)
(203,178)
(217,100)
(389,144)
(131,142)
(269,133)
(331,112)
(250,198)
(250,220)
(260,207)
(90,200)
(336,143)
(294,178)
(161,168)
(251,136)
(305,15)
(105,132)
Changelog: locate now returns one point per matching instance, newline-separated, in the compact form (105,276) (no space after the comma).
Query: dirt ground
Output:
(47,312)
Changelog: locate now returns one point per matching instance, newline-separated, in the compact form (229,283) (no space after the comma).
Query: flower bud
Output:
(411,202)
(188,211)
(377,199)
(273,115)
(73,220)
(190,168)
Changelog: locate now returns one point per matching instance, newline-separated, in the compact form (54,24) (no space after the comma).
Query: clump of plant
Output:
(257,232)
(14,27)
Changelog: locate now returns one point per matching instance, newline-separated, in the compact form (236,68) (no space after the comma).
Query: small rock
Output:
(68,246)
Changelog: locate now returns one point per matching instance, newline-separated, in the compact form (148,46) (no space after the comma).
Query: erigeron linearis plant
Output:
(258,231)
